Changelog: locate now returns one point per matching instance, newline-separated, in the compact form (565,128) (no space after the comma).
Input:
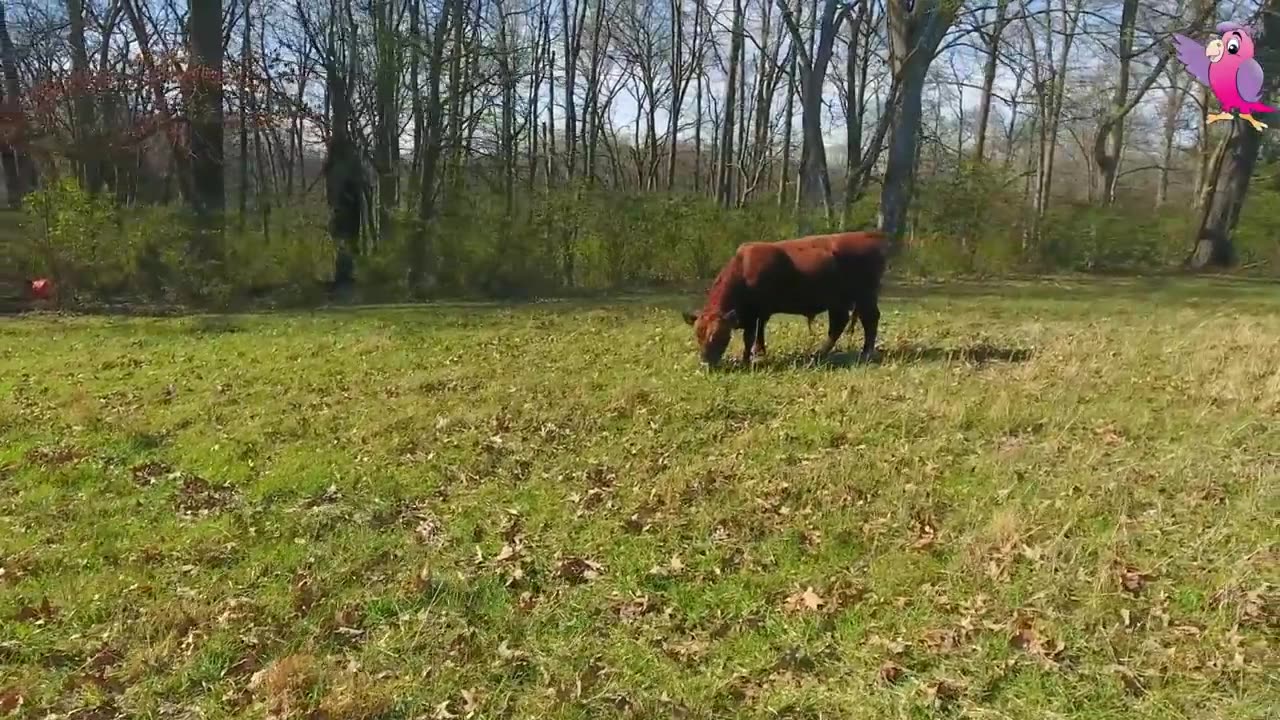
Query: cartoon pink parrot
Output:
(1227,66)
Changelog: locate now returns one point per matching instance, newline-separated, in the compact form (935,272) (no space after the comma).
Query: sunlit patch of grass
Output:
(1050,499)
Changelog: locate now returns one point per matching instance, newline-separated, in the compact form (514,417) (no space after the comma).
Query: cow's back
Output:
(810,274)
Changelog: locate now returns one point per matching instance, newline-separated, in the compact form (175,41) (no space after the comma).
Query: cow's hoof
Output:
(870,356)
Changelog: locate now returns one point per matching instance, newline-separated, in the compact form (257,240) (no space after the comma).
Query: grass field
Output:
(1051,499)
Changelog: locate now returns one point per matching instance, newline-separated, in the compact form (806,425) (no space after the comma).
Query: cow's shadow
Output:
(898,354)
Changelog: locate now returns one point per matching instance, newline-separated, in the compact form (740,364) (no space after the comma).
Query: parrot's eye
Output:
(1233,46)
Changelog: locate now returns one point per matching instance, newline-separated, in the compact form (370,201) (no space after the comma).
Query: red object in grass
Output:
(40,288)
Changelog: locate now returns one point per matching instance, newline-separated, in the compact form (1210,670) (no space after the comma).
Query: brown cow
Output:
(838,274)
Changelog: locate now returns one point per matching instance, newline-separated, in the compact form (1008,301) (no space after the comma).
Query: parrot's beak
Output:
(1214,50)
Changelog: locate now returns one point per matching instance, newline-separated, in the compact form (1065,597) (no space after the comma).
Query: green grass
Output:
(1052,499)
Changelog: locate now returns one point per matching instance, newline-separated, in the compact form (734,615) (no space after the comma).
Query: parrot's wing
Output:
(1191,54)
(1249,80)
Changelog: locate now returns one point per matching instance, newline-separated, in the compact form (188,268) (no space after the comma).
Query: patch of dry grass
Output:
(1050,500)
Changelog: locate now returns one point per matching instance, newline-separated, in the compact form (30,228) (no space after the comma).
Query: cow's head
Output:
(712,330)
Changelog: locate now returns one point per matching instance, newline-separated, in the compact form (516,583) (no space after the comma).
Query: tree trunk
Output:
(1214,246)
(572,28)
(600,41)
(11,108)
(1109,139)
(789,120)
(344,185)
(725,181)
(458,78)
(266,176)
(386,145)
(1173,107)
(553,162)
(1053,119)
(678,85)
(1204,152)
(181,160)
(855,95)
(697,134)
(535,91)
(26,167)
(207,113)
(87,153)
(815,183)
(913,41)
(415,101)
(245,47)
(989,79)
(506,142)
(420,271)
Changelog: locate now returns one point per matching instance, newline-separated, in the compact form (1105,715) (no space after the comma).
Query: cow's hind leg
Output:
(837,319)
(868,310)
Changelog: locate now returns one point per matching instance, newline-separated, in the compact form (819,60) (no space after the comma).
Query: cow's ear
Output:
(689,317)
(731,317)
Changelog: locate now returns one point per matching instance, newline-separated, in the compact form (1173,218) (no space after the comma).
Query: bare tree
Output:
(915,30)
(724,183)
(207,45)
(1109,139)
(991,37)
(88,164)
(387,71)
(1235,162)
(420,272)
(15,161)
(815,186)
(789,121)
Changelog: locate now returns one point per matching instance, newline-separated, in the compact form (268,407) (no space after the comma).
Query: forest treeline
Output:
(219,149)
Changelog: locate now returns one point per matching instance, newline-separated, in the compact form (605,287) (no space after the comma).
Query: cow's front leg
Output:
(758,348)
(749,328)
(837,319)
(868,310)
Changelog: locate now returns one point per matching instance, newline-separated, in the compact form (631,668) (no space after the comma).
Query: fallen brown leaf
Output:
(1128,678)
(845,593)
(926,534)
(1027,638)
(54,456)
(632,608)
(687,650)
(577,570)
(942,692)
(43,611)
(804,600)
(891,672)
(507,552)
(304,593)
(673,567)
(506,653)
(285,683)
(428,531)
(104,658)
(1260,606)
(1132,579)
(423,578)
(147,473)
